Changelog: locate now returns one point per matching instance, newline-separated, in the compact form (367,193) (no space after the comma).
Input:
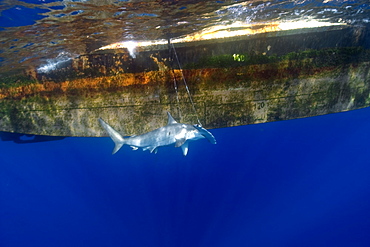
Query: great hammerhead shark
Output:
(173,133)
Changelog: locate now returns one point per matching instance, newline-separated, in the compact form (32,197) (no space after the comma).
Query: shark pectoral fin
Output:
(185,148)
(134,148)
(180,142)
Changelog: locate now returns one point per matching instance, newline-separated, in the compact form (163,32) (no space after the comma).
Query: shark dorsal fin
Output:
(171,120)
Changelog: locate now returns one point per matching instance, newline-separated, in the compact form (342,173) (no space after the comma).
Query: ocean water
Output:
(303,182)
(43,33)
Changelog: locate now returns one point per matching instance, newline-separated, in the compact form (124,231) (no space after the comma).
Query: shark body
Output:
(174,133)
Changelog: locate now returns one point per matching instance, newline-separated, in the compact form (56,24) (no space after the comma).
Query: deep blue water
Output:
(303,182)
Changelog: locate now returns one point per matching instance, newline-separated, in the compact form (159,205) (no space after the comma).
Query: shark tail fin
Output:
(118,140)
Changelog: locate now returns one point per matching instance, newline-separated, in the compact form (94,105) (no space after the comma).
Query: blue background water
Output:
(303,182)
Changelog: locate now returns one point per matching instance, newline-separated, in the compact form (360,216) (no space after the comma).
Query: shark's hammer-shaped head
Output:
(191,132)
(205,133)
(187,132)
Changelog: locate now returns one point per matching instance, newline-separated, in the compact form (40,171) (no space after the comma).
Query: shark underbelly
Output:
(164,136)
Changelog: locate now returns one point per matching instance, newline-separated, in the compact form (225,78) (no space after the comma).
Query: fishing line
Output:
(177,94)
(174,80)
(185,83)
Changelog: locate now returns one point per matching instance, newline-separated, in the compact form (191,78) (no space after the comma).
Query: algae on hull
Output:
(247,95)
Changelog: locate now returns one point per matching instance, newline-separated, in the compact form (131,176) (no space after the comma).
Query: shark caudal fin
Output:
(119,141)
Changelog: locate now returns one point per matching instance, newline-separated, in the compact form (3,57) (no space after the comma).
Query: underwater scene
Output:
(184,123)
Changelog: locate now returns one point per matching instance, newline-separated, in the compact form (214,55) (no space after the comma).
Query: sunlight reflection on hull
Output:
(224,31)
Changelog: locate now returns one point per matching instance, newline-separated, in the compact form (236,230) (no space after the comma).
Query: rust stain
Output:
(207,77)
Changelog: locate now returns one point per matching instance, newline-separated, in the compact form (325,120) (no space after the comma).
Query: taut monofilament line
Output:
(185,84)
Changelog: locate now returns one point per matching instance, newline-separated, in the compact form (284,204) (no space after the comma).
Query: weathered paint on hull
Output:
(248,95)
